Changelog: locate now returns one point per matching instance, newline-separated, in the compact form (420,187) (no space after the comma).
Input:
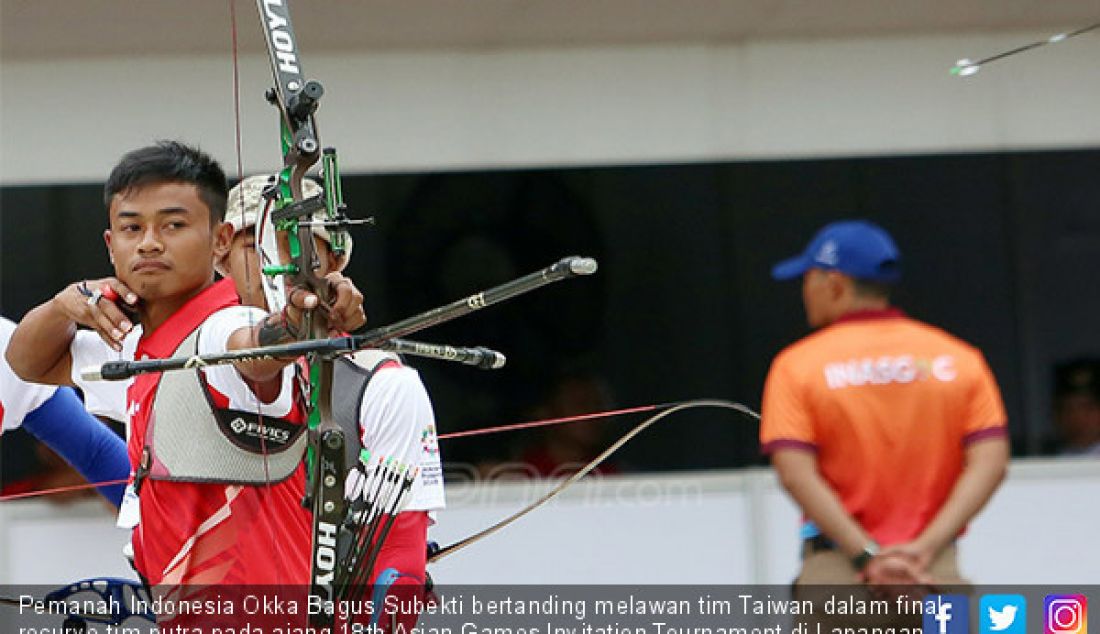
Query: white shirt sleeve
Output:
(396,420)
(214,338)
(102,398)
(17,397)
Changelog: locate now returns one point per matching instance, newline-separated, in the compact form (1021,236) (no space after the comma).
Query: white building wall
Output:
(70,119)
(735,527)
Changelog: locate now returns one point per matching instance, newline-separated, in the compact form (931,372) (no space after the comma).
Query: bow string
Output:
(291,214)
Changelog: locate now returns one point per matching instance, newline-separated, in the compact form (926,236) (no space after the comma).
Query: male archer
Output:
(221,480)
(380,403)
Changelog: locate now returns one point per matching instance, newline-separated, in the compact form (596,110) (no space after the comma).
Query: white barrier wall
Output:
(68,120)
(704,528)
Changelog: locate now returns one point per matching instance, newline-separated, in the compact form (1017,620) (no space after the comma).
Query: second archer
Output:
(219,489)
(376,399)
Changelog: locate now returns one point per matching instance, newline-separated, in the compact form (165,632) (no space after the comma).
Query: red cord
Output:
(64,489)
(551,421)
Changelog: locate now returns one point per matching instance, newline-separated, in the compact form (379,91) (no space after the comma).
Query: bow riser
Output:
(297,101)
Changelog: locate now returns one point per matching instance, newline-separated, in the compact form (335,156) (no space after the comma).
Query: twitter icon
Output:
(1002,614)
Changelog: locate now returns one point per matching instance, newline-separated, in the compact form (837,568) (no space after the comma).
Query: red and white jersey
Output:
(215,534)
(17,397)
(396,416)
(396,420)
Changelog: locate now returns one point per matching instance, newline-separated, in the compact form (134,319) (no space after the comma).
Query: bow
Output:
(440,553)
(289,222)
(296,100)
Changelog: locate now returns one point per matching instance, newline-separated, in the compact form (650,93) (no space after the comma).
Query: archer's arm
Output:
(343,313)
(84,442)
(395,413)
(39,347)
(40,351)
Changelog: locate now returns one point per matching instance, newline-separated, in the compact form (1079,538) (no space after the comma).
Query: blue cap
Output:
(857,248)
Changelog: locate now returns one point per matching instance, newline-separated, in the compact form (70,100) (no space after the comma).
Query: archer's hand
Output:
(101,305)
(345,310)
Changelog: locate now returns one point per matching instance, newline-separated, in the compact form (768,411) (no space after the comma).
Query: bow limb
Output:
(297,100)
(588,468)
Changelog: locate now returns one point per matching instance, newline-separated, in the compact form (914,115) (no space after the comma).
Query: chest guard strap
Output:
(188,439)
(350,376)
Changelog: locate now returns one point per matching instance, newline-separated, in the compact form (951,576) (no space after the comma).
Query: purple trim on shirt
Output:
(787,443)
(982,434)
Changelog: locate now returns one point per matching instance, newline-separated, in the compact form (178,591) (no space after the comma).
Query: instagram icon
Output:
(1066,614)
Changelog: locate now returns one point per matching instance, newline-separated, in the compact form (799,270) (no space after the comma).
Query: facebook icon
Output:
(946,614)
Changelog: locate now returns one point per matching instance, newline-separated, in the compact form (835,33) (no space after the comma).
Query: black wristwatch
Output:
(860,561)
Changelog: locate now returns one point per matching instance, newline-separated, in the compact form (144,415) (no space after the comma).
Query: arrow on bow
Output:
(566,268)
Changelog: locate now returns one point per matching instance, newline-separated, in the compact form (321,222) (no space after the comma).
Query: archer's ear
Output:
(107,241)
(223,240)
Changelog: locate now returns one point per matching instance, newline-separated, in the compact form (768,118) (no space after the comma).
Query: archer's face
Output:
(161,241)
(243,266)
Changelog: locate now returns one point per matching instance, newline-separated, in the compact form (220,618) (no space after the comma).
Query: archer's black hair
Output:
(171,161)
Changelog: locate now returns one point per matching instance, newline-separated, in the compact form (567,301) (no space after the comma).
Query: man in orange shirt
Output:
(888,432)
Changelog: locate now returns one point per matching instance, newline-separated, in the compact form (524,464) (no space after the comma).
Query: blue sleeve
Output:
(82,440)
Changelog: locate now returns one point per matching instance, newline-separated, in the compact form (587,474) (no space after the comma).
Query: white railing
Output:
(724,527)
